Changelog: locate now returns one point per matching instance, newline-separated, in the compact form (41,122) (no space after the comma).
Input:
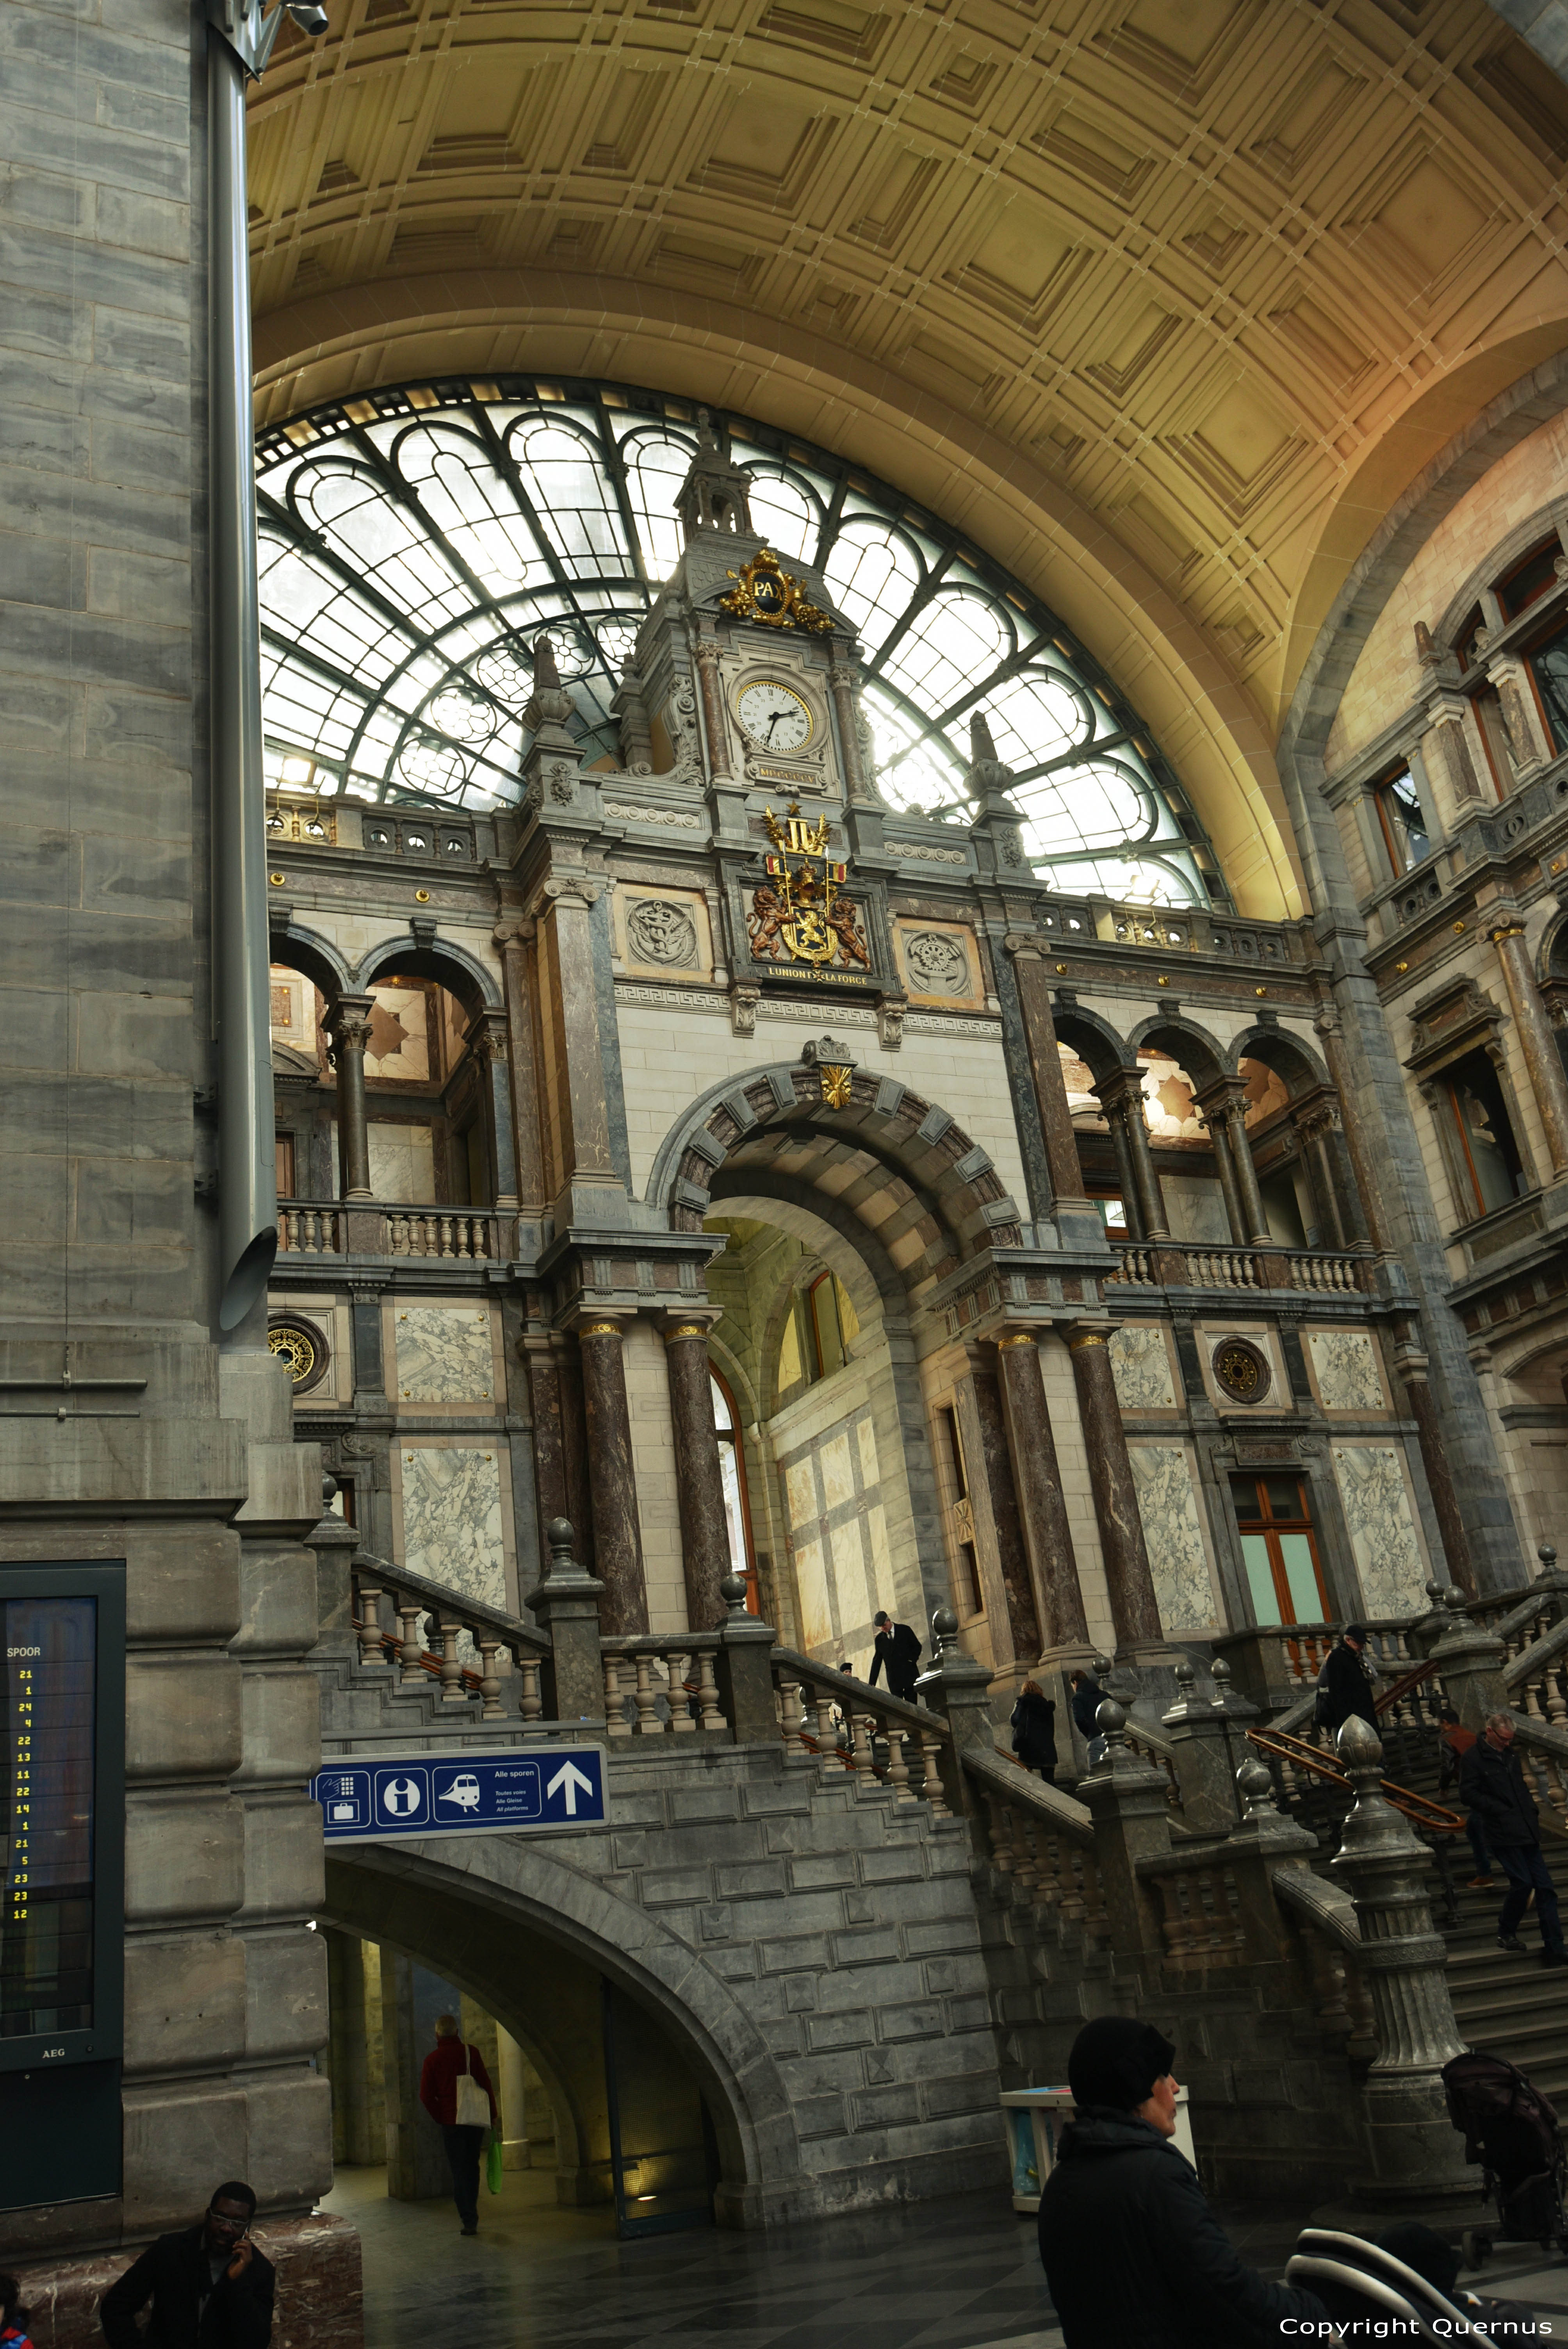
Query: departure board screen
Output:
(50,1651)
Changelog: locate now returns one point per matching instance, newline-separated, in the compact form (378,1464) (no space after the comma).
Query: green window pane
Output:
(1259,1579)
(1305,1599)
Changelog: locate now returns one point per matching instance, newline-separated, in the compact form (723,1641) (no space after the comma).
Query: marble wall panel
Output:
(1173,1530)
(1344,1365)
(452,1525)
(1141,1365)
(811,1594)
(1390,1558)
(443,1353)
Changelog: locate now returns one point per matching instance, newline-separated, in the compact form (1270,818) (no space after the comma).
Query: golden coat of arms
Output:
(798,916)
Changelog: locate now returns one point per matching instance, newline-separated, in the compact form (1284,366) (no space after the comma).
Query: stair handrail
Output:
(1432,1818)
(910,1732)
(1325,1905)
(1519,1671)
(1000,1775)
(1041,1845)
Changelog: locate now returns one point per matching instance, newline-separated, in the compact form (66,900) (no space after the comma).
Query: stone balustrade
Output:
(1201,1921)
(663,1687)
(1040,1844)
(373,1227)
(825,1715)
(1322,1272)
(401,1620)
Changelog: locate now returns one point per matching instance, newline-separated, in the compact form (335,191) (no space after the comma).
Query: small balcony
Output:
(392,1228)
(1166,1264)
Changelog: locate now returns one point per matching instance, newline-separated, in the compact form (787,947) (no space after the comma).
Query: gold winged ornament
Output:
(767,592)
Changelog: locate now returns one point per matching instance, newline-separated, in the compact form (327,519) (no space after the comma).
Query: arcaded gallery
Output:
(784,858)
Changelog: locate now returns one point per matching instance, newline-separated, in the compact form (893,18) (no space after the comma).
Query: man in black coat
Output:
(897,1654)
(209,2285)
(1492,1785)
(1133,2255)
(1343,1686)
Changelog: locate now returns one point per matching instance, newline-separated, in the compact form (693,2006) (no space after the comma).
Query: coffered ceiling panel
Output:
(1164,300)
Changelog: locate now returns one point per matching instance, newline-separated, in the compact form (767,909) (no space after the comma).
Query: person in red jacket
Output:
(444,2068)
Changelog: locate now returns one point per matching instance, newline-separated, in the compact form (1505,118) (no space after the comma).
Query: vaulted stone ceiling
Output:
(1165,301)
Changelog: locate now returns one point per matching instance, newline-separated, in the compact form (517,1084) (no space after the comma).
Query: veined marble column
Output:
(1231,1112)
(1543,1061)
(1036,1478)
(841,681)
(1134,1609)
(1012,1549)
(699,1476)
(1312,1132)
(548,1437)
(1369,1207)
(514,938)
(579,1511)
(704,653)
(1225,1168)
(487,1040)
(1122,1094)
(611,1479)
(349,1026)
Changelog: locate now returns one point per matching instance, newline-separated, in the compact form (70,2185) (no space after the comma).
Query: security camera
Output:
(307,17)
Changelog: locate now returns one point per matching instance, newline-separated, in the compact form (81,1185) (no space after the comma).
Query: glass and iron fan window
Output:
(414,541)
(732,1470)
(1279,1553)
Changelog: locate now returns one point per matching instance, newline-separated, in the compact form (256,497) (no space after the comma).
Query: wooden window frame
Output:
(1271,1527)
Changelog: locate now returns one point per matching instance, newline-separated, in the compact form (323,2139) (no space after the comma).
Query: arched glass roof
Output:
(414,541)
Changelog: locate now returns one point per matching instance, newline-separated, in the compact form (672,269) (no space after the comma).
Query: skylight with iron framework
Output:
(415,541)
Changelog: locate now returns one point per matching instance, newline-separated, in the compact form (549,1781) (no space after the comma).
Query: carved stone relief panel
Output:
(941,963)
(662,932)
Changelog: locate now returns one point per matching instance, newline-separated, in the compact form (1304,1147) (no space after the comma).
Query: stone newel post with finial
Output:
(1126,1799)
(566,1606)
(959,1689)
(1415,2150)
(745,1669)
(1209,1737)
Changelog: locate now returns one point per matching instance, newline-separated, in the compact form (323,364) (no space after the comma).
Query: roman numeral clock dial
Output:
(774,716)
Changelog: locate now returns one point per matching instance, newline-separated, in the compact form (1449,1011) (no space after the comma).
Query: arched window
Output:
(819,1331)
(413,542)
(732,1468)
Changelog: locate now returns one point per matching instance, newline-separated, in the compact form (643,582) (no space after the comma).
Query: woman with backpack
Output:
(1034,1726)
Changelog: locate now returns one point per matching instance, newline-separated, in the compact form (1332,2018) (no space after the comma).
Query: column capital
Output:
(687,1324)
(600,1320)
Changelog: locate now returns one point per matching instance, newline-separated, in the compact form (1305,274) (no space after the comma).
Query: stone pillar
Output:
(1122,1094)
(1415,2151)
(1543,1061)
(1126,1798)
(585,1164)
(1470,1662)
(548,1437)
(612,1480)
(1368,1211)
(347,1025)
(411,1998)
(1127,1175)
(1012,1550)
(1312,1132)
(1058,1601)
(1410,1366)
(514,938)
(715,722)
(1134,1609)
(566,1606)
(574,1443)
(746,1669)
(843,681)
(1050,1086)
(699,1476)
(487,1040)
(1230,1114)
(1210,1738)
(1225,1168)
(955,1686)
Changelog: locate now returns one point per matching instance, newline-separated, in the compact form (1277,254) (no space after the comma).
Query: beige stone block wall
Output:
(653,1465)
(670,1056)
(1388,676)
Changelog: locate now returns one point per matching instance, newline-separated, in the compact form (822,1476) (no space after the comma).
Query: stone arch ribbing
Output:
(450,965)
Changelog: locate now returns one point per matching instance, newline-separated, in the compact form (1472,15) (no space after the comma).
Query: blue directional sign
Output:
(545,1788)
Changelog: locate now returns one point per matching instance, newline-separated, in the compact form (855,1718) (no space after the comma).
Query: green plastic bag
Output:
(493,2163)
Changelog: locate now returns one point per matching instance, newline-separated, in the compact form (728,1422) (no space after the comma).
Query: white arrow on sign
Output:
(570,1776)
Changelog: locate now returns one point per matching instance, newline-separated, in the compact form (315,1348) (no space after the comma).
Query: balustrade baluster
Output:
(1026,1868)
(647,1698)
(861,1726)
(931,1755)
(1070,1876)
(451,1664)
(530,1703)
(790,1722)
(1176,1923)
(827,1733)
(708,1705)
(678,1664)
(489,1681)
(614,1698)
(1001,1835)
(411,1646)
(897,1766)
(1047,1857)
(370,1649)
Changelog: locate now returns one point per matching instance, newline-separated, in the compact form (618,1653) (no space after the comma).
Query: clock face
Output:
(774,716)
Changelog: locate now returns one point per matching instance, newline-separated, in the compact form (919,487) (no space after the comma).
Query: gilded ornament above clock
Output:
(775,716)
(765,591)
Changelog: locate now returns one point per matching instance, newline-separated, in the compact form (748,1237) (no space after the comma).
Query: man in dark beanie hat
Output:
(1133,2255)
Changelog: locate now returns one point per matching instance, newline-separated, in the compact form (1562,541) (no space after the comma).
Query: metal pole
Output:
(238,43)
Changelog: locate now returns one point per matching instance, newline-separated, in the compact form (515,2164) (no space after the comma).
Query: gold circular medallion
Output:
(1243,1371)
(303,1350)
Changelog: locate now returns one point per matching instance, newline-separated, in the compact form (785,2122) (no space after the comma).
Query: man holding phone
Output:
(209,2285)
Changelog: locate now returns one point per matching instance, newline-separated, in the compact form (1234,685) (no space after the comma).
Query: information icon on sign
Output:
(401,1797)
